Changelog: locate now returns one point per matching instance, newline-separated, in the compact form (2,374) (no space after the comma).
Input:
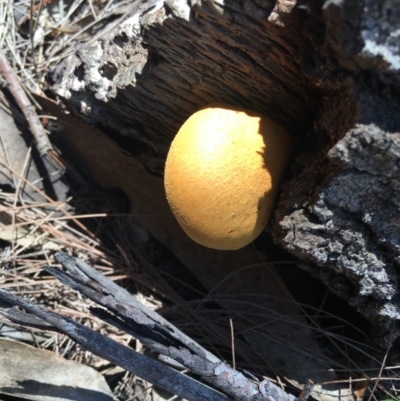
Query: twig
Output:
(122,310)
(142,366)
(155,332)
(36,127)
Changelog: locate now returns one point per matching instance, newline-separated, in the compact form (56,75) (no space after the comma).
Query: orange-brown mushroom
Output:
(222,175)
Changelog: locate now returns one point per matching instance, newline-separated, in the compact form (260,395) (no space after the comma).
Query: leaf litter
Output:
(35,38)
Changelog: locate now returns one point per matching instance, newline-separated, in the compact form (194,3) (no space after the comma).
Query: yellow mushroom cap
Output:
(222,175)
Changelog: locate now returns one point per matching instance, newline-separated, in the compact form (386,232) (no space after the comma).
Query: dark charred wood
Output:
(124,311)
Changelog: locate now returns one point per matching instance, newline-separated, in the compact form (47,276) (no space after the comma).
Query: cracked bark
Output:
(327,71)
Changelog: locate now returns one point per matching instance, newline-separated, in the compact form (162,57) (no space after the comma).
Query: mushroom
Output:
(222,175)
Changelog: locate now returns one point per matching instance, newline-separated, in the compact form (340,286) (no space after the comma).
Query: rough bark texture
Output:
(342,211)
(151,76)
(327,71)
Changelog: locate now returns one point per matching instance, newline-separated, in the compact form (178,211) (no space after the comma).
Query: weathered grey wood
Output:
(134,362)
(122,310)
(328,71)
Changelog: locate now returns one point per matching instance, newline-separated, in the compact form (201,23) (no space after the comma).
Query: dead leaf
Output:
(40,375)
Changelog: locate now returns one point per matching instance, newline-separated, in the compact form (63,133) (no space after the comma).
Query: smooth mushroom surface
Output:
(222,175)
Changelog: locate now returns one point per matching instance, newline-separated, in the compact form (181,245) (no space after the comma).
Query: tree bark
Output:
(327,71)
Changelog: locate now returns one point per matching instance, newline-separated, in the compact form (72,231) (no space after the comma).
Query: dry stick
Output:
(142,366)
(36,127)
(203,326)
(124,311)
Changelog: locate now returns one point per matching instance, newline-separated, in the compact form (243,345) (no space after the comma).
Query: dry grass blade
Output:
(376,384)
(51,201)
